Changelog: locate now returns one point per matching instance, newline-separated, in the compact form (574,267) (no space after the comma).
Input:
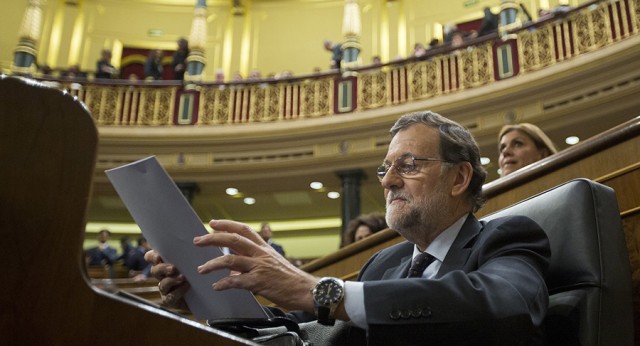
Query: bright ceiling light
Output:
(485,160)
(316,185)
(333,195)
(231,191)
(571,140)
(249,200)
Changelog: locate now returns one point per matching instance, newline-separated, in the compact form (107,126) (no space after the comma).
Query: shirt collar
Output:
(441,245)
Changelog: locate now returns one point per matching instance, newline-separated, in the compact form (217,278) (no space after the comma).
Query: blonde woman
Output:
(520,145)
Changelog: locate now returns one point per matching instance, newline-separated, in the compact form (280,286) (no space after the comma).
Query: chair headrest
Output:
(577,216)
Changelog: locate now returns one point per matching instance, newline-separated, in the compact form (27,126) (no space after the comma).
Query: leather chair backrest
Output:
(589,278)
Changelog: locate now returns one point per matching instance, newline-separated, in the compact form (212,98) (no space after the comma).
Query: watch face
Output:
(328,292)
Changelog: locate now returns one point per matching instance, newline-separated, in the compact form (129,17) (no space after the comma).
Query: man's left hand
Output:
(261,269)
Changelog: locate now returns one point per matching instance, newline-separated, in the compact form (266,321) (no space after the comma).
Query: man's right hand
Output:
(172,284)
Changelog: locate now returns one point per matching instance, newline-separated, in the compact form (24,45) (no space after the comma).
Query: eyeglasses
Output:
(405,166)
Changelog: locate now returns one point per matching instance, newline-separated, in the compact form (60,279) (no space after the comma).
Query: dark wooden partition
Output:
(48,147)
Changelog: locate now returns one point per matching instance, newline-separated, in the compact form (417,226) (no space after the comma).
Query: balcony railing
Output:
(444,70)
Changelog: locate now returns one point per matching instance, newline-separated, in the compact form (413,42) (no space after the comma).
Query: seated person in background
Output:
(102,254)
(418,50)
(136,263)
(219,75)
(254,75)
(471,282)
(434,43)
(457,39)
(45,70)
(237,76)
(448,29)
(364,226)
(153,65)
(74,72)
(125,246)
(104,69)
(544,14)
(284,74)
(521,145)
(266,233)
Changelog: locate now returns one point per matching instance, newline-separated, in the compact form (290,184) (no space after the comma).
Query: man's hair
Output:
(456,145)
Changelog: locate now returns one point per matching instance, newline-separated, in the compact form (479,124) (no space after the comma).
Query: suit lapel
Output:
(460,249)
(399,272)
(402,269)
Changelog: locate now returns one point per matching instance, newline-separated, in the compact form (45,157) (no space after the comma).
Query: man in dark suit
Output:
(139,269)
(102,254)
(180,59)
(266,233)
(483,283)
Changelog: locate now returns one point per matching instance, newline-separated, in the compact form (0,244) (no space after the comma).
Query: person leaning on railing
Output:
(104,69)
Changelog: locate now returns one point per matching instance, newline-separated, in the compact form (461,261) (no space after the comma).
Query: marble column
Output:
(196,59)
(508,17)
(26,53)
(351,28)
(189,190)
(350,195)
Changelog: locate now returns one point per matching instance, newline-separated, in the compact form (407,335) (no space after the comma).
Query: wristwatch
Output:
(327,295)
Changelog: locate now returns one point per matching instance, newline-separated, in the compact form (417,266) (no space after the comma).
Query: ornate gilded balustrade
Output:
(589,28)
(266,101)
(444,70)
(436,75)
(125,104)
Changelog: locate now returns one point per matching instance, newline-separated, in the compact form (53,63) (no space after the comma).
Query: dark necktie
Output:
(419,264)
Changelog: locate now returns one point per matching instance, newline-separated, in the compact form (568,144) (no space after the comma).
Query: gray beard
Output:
(422,219)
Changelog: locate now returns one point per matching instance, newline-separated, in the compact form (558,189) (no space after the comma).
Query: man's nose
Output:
(391,179)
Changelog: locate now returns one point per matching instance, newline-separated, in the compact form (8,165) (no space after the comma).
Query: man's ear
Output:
(462,179)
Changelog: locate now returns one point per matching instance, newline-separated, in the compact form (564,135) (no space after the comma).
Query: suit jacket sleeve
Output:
(111,254)
(489,290)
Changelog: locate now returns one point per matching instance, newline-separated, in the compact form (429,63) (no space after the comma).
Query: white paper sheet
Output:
(169,224)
